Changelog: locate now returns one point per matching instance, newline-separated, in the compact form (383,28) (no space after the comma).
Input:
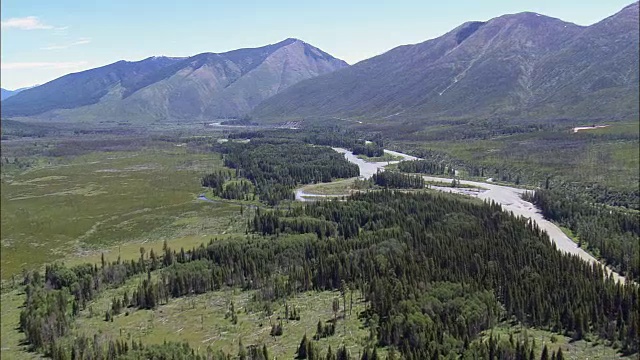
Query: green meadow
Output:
(607,156)
(203,321)
(73,207)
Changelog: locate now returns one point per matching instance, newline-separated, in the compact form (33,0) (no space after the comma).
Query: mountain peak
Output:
(515,65)
(205,86)
(291,40)
(530,19)
(162,57)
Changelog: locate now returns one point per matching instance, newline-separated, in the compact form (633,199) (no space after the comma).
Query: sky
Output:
(42,39)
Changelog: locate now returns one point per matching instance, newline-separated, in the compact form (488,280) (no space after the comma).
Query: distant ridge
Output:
(204,86)
(8,93)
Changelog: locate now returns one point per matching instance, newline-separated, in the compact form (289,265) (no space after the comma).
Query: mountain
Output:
(4,93)
(513,66)
(205,86)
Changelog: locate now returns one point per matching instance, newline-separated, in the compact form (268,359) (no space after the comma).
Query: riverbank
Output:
(510,198)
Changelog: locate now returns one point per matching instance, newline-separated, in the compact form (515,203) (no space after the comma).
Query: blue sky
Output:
(44,39)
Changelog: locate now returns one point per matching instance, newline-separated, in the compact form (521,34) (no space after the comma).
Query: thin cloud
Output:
(81,41)
(42,65)
(25,23)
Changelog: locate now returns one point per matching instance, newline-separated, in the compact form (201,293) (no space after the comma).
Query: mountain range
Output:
(4,93)
(522,65)
(204,86)
(515,66)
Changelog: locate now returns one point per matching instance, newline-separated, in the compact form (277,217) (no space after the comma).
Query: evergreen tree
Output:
(302,349)
(545,353)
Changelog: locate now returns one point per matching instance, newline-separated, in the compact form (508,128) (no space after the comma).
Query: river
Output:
(510,198)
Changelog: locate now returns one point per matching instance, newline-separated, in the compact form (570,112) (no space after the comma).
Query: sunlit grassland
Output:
(98,200)
(338,187)
(201,321)
(609,156)
(10,337)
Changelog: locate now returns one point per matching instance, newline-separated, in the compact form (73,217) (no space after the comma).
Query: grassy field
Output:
(77,208)
(581,349)
(450,184)
(339,187)
(384,157)
(10,337)
(200,320)
(609,156)
(61,208)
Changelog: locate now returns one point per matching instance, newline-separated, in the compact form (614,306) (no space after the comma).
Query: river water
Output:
(510,198)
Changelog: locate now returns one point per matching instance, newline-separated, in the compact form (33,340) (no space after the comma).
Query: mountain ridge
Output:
(6,93)
(199,86)
(523,65)
(515,65)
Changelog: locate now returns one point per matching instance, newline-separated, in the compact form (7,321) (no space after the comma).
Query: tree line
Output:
(350,140)
(275,167)
(431,167)
(397,180)
(612,233)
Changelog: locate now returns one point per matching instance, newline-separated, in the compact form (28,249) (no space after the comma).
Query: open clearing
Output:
(339,187)
(201,320)
(98,200)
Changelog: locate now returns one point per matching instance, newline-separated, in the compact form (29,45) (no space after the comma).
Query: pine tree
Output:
(545,353)
(335,306)
(342,354)
(330,355)
(319,331)
(302,349)
(242,351)
(365,354)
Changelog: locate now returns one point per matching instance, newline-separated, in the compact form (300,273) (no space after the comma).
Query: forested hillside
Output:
(435,271)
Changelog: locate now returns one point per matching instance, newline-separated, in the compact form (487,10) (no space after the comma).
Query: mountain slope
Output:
(512,66)
(204,86)
(4,93)
(80,89)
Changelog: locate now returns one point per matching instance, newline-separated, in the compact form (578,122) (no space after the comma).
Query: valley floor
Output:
(109,204)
